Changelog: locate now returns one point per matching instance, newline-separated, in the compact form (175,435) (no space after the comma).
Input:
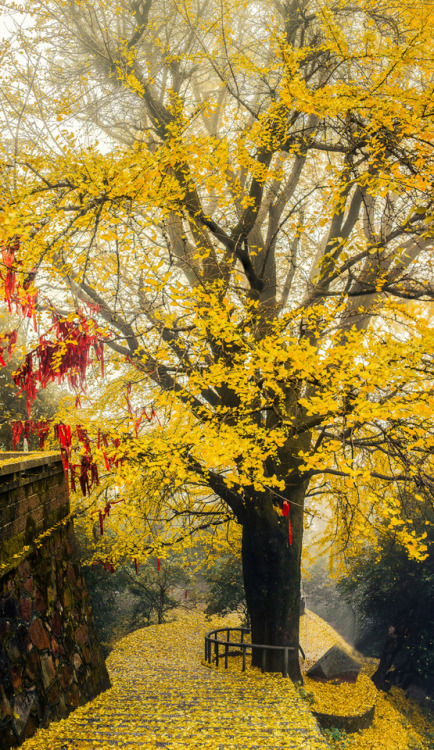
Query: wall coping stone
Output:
(12,462)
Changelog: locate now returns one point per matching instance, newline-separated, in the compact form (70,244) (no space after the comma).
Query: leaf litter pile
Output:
(163,696)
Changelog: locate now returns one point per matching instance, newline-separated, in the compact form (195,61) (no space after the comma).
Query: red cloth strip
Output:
(286,512)
(17,428)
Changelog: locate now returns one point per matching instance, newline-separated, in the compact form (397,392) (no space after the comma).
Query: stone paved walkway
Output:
(164,697)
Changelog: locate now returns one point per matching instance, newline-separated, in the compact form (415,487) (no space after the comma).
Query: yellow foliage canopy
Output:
(243,196)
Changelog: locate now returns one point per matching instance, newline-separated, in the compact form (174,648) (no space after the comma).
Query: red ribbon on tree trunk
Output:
(286,512)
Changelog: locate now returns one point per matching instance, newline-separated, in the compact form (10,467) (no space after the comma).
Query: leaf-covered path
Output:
(163,697)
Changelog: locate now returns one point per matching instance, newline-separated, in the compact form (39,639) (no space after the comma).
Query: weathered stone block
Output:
(23,705)
(53,693)
(29,584)
(25,608)
(82,634)
(56,623)
(335,664)
(17,677)
(39,635)
(33,664)
(66,674)
(12,649)
(48,672)
(40,605)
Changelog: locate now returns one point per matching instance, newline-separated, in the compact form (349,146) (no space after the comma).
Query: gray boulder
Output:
(335,664)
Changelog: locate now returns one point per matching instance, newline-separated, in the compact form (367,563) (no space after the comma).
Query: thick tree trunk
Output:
(271,569)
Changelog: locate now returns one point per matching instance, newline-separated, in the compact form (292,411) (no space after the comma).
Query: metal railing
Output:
(211,639)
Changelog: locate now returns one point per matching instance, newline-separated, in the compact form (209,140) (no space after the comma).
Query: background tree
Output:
(226,590)
(154,590)
(244,236)
(393,598)
(123,601)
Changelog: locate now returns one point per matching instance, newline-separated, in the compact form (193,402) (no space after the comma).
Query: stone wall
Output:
(50,656)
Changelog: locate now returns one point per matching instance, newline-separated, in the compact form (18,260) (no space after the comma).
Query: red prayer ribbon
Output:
(9,339)
(106,511)
(42,428)
(286,512)
(13,290)
(17,428)
(67,357)
(29,425)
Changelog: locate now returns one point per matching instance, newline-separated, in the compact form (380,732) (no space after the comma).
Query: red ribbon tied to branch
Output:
(67,357)
(17,428)
(8,342)
(13,291)
(42,428)
(106,512)
(29,425)
(286,512)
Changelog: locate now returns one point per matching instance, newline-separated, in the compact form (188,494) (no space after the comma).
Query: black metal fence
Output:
(212,640)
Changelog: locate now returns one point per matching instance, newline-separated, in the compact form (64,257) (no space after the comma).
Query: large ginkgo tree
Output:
(233,203)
